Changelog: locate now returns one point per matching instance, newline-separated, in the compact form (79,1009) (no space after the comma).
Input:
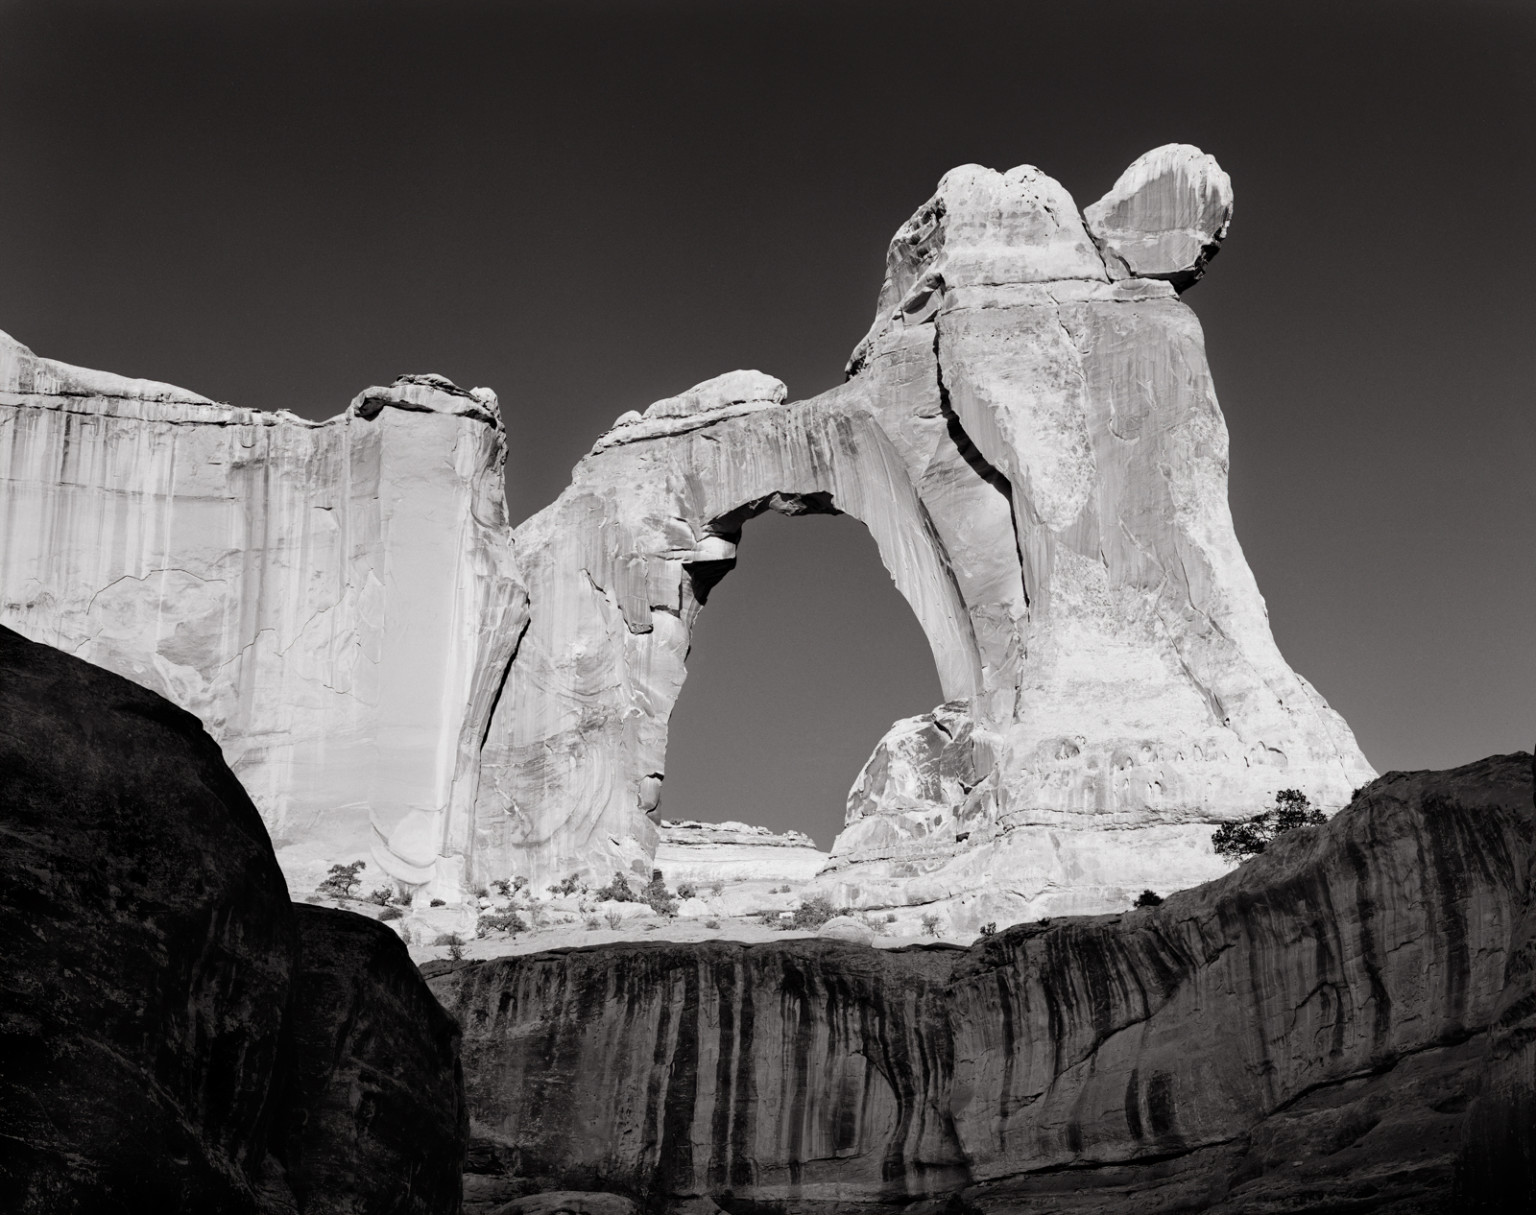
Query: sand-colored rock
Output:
(1300,1035)
(1039,457)
(335,601)
(1165,217)
(704,853)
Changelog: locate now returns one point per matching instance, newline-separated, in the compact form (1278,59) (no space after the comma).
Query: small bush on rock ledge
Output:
(506,921)
(1239,841)
(343,879)
(1149,898)
(812,913)
(617,891)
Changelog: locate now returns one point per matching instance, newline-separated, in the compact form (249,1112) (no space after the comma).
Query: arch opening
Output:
(802,662)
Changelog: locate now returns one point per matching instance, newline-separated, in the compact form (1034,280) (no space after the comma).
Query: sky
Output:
(589,206)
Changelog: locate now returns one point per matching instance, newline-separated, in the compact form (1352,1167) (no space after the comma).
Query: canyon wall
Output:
(1030,433)
(335,601)
(1302,1035)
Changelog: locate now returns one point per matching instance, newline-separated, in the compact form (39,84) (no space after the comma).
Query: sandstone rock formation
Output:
(702,853)
(335,601)
(1033,441)
(372,1115)
(175,1036)
(1028,430)
(148,951)
(1301,1035)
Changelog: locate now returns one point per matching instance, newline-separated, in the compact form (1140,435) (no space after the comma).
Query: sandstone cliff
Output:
(174,1035)
(1030,433)
(1301,1035)
(335,601)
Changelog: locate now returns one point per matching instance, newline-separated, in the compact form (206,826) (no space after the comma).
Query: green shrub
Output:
(593,923)
(1149,898)
(658,896)
(717,888)
(499,921)
(343,879)
(390,913)
(617,891)
(812,913)
(989,930)
(687,890)
(614,919)
(383,896)
(712,924)
(931,924)
(1240,841)
(567,885)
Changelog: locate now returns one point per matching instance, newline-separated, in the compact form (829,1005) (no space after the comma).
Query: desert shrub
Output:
(717,888)
(405,935)
(502,887)
(812,913)
(931,924)
(437,903)
(1149,898)
(456,949)
(446,938)
(989,930)
(499,921)
(687,890)
(567,885)
(390,913)
(593,923)
(519,883)
(618,891)
(784,889)
(614,919)
(343,879)
(875,925)
(382,896)
(482,892)
(711,924)
(890,917)
(1240,841)
(658,896)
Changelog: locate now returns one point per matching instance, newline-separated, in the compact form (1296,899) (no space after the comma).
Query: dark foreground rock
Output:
(148,950)
(175,1036)
(1305,1034)
(373,1119)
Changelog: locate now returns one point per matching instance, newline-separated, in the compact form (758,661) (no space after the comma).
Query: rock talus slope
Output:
(335,601)
(1301,1035)
(1030,433)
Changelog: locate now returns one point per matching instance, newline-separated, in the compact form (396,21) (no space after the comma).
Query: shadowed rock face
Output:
(1303,1034)
(148,950)
(174,1034)
(372,1118)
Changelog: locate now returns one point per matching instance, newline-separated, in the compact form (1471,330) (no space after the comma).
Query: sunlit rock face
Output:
(335,601)
(1300,1035)
(704,853)
(1033,440)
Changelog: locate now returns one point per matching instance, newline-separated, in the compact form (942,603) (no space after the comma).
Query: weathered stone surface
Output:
(1300,1035)
(1165,217)
(372,1117)
(1039,457)
(702,853)
(335,601)
(146,954)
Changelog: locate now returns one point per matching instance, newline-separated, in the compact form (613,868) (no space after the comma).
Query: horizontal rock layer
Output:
(1303,1034)
(335,601)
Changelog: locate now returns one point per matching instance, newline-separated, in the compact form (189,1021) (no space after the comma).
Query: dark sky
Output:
(587,206)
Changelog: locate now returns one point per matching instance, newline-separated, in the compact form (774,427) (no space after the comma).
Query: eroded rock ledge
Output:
(1301,1035)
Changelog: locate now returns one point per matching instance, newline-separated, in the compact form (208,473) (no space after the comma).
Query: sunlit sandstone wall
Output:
(1030,432)
(336,601)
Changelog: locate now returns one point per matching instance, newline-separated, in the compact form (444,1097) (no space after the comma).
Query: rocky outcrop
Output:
(703,853)
(1300,1035)
(1031,436)
(176,1035)
(372,1115)
(336,602)
(148,951)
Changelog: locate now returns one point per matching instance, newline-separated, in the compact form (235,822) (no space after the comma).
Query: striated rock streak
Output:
(1299,1035)
(1030,433)
(337,601)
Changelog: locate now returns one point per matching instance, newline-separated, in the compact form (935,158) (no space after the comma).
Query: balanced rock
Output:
(335,601)
(1165,217)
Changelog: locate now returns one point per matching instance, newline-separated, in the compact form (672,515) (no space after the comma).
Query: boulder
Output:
(372,1116)
(147,951)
